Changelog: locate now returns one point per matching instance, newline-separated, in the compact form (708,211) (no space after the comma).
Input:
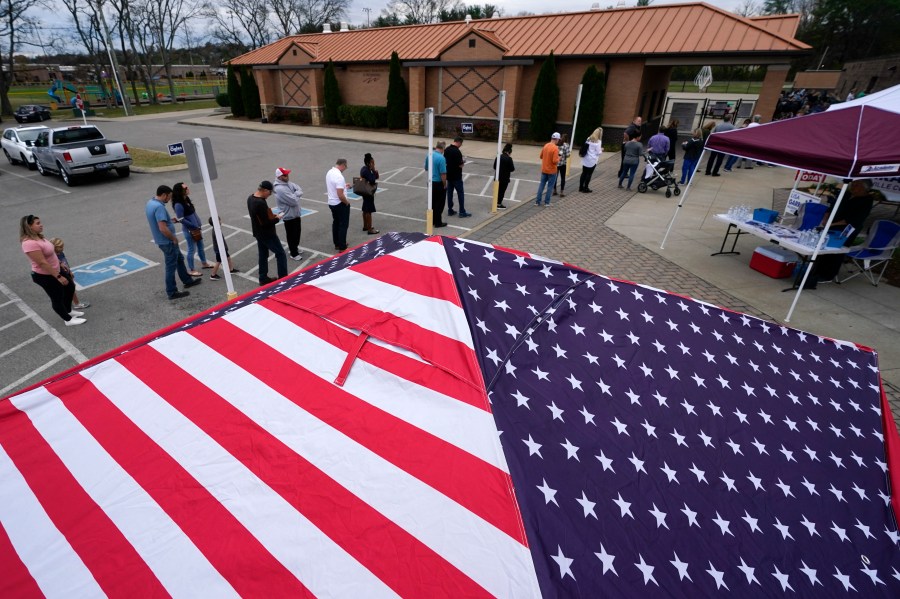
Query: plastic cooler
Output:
(775,262)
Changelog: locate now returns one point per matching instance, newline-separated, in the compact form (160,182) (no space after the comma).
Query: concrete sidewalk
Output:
(617,233)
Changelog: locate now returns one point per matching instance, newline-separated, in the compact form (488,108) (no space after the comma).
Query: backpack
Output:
(582,151)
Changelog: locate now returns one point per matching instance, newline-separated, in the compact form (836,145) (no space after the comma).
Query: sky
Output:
(56,23)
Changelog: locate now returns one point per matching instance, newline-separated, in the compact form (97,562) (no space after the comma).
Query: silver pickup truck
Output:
(79,150)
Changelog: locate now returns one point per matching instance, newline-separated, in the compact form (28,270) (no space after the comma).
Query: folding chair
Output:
(877,250)
(810,216)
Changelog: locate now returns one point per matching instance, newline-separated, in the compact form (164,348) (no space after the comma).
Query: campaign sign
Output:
(107,269)
(890,187)
(808,177)
(797,199)
(466,128)
(176,149)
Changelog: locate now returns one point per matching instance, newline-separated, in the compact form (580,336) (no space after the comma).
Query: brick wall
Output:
(363,84)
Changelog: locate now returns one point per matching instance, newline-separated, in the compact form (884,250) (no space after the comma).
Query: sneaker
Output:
(178,295)
(75,313)
(501,206)
(234,270)
(716,175)
(192,283)
(215,277)
(727,170)
(465,214)
(537,203)
(74,322)
(82,305)
(439,225)
(451,212)
(298,257)
(266,281)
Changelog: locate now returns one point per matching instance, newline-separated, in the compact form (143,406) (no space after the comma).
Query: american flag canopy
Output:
(431,417)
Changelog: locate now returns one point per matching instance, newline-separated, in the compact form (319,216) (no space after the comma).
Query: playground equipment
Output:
(97,92)
(65,87)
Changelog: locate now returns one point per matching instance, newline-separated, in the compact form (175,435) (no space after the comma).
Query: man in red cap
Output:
(287,198)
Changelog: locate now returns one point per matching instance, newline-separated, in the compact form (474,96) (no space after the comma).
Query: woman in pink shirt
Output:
(45,269)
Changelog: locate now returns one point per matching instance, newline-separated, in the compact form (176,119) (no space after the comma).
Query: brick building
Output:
(459,68)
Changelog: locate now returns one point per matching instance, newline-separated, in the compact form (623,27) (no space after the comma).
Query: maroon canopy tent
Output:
(851,140)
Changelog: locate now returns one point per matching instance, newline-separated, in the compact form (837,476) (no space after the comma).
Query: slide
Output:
(61,85)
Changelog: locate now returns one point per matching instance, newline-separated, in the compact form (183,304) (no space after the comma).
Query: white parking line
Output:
(21,345)
(38,181)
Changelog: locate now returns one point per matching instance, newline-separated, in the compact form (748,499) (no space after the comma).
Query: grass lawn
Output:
(152,158)
(154,108)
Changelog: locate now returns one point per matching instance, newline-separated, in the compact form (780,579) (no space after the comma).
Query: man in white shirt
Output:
(336,187)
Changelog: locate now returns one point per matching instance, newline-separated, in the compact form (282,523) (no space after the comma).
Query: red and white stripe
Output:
(224,460)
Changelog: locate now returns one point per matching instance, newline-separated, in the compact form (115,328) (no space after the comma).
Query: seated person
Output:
(854,210)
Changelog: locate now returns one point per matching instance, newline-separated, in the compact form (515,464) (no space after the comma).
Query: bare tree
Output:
(15,26)
(286,15)
(86,25)
(165,19)
(241,23)
(126,26)
(315,13)
(748,8)
(420,11)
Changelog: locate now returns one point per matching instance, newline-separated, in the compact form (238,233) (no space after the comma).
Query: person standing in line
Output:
(370,174)
(590,159)
(634,149)
(336,187)
(262,222)
(287,199)
(692,150)
(506,168)
(631,131)
(716,158)
(163,231)
(732,159)
(671,131)
(214,275)
(438,184)
(59,246)
(46,272)
(658,148)
(549,169)
(564,152)
(190,222)
(455,162)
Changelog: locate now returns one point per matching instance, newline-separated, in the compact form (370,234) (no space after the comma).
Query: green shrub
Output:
(397,97)
(365,117)
(593,93)
(235,97)
(250,91)
(223,100)
(332,95)
(545,101)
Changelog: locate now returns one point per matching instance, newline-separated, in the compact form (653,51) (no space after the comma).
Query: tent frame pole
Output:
(681,199)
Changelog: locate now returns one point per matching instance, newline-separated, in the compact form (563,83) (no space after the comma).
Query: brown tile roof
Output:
(652,30)
(785,25)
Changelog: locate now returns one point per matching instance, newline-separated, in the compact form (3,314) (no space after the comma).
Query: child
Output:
(59,246)
(214,276)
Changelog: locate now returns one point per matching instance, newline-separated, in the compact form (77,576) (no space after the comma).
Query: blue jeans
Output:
(730,162)
(548,180)
(628,170)
(340,222)
(174,262)
(456,184)
(263,247)
(687,169)
(193,246)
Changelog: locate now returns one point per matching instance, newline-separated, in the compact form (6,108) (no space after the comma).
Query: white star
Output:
(534,448)
(493,357)
(532,346)
(660,517)
(545,270)
(542,376)
(718,576)
(481,325)
(734,447)
(783,579)
(647,317)
(843,579)
(512,331)
(751,522)
(604,388)
(791,424)
(810,526)
(707,440)
(765,417)
(701,476)
(489,256)
(634,397)
(864,529)
(724,382)
(673,374)
(811,453)
(741,416)
(670,474)
(560,352)
(646,370)
(748,572)
(621,427)
(638,464)
(729,482)
(521,400)
(633,338)
(502,305)
(564,563)
(681,567)
(748,389)
(688,407)
(679,439)
(785,533)
(651,430)
(700,382)
(691,516)
(578,330)
(860,492)
(623,315)
(605,462)
(786,489)
(591,358)
(811,574)
(619,361)
(685,350)
(662,400)
(840,532)
(595,308)
(810,487)
(624,506)
(510,369)
(839,495)
(788,454)
(587,506)
(549,494)
(606,336)
(723,524)
(588,417)
(759,447)
(571,450)
(576,384)
(607,560)
(638,296)
(709,357)
(557,413)
(521,289)
(757,482)
(646,570)
(474,294)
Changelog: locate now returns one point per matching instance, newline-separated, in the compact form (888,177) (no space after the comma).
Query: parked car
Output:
(17,144)
(79,150)
(32,113)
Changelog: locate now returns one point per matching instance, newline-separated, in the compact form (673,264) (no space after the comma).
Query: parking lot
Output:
(118,267)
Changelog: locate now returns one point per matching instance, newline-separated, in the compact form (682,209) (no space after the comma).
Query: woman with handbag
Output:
(369,185)
(46,270)
(190,226)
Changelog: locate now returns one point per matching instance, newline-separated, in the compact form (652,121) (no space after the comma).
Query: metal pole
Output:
(681,200)
(574,126)
(112,58)
(214,213)
(496,186)
(429,125)
(812,259)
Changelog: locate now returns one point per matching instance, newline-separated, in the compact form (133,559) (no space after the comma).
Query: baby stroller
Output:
(660,176)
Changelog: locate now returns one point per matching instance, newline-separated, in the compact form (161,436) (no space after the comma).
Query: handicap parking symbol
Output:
(107,269)
(351,195)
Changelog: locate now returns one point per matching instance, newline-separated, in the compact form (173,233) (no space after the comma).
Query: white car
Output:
(17,143)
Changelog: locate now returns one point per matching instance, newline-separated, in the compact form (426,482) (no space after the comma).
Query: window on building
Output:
(471,42)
